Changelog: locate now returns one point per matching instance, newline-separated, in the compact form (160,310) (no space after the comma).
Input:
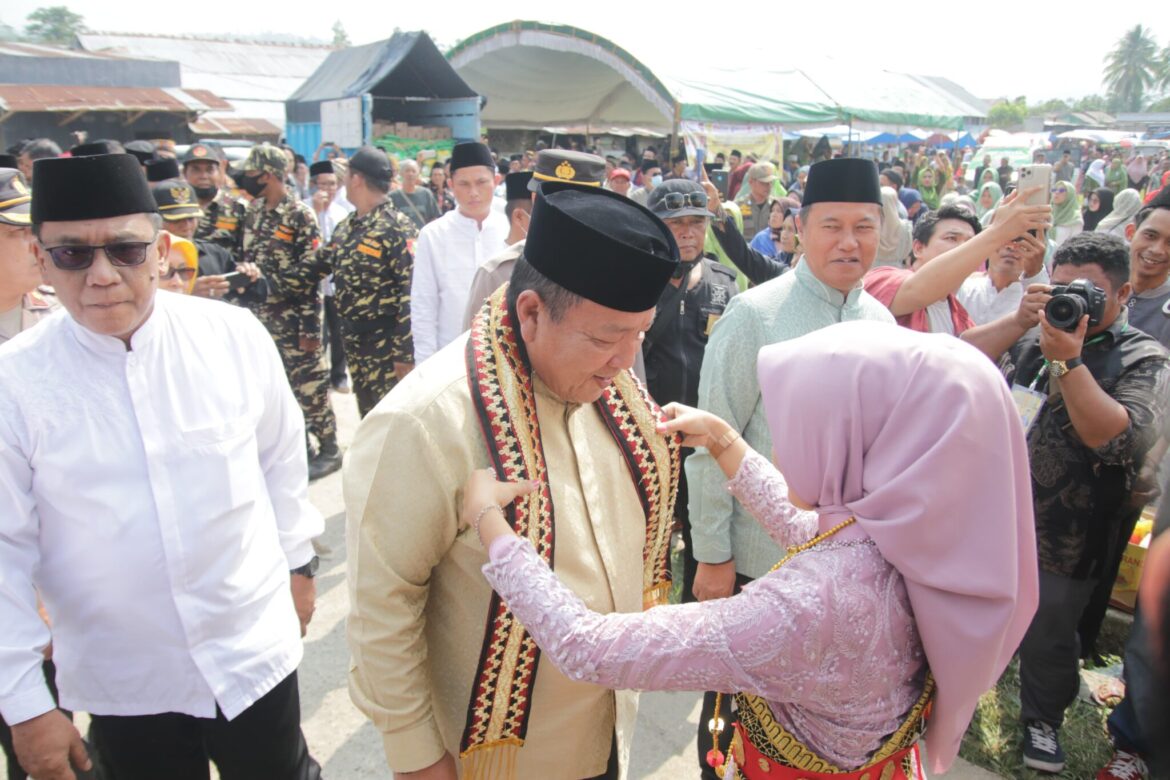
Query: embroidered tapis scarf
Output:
(502,392)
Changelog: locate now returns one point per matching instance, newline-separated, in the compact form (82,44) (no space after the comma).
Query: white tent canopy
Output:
(537,75)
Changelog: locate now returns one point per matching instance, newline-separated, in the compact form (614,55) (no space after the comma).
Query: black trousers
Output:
(1049,677)
(333,337)
(262,743)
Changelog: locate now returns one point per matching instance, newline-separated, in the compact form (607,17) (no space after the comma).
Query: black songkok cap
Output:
(649,165)
(321,166)
(89,187)
(143,150)
(517,185)
(372,162)
(601,246)
(162,169)
(843,180)
(567,166)
(7,161)
(97,147)
(469,154)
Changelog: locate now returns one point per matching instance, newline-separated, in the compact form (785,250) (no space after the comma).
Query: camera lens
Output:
(1065,311)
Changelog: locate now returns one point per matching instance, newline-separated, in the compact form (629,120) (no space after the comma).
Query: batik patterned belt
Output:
(502,392)
(762,748)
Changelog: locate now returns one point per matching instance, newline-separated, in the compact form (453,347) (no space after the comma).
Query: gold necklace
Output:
(799,548)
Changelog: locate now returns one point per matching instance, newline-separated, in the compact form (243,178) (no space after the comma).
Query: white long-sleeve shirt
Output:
(156,498)
(446,255)
(987,304)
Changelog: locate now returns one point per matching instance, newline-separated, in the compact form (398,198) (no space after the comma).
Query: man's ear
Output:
(41,256)
(528,309)
(164,243)
(1130,229)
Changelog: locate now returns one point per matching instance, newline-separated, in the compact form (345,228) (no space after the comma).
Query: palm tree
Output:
(1132,67)
(1164,69)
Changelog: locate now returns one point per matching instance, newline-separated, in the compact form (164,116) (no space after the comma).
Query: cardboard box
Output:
(1124,595)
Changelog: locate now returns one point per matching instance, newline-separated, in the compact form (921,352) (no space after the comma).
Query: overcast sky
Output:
(995,48)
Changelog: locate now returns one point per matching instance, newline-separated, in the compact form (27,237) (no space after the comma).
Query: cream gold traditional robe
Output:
(419,600)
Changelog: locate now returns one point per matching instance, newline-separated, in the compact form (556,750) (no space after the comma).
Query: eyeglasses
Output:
(676,200)
(77,258)
(186,273)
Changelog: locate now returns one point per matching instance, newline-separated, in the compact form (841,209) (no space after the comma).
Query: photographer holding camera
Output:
(1092,393)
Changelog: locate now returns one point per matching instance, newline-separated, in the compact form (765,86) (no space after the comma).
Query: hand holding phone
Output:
(1036,176)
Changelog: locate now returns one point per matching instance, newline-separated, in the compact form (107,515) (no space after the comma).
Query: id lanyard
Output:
(1043,372)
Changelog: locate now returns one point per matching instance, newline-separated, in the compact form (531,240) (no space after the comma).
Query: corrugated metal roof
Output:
(233,127)
(40,97)
(256,78)
(19,49)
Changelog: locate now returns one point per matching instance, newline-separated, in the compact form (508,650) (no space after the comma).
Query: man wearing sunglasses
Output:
(178,206)
(153,491)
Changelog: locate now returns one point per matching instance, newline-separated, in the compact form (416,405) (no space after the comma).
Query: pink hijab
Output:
(916,436)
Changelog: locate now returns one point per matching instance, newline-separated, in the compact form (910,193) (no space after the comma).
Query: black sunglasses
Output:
(676,200)
(77,258)
(186,273)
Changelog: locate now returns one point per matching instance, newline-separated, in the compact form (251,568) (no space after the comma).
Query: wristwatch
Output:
(309,569)
(1061,367)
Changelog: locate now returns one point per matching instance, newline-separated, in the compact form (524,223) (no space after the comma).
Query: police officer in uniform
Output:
(179,208)
(675,344)
(371,260)
(280,238)
(222,222)
(24,301)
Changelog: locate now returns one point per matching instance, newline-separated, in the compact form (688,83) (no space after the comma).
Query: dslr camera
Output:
(1072,301)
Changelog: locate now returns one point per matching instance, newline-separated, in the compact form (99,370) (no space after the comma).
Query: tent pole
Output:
(849,151)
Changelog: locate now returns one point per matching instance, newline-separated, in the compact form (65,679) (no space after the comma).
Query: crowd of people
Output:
(905,433)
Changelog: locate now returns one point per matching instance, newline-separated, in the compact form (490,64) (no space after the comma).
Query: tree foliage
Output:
(1008,114)
(340,36)
(54,24)
(1132,68)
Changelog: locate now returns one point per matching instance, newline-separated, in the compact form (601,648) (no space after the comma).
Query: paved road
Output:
(347,745)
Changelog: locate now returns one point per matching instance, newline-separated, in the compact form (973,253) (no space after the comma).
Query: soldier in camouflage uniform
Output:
(281,238)
(222,222)
(370,257)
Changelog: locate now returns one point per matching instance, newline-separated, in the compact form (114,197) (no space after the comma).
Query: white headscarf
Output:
(1125,206)
(895,241)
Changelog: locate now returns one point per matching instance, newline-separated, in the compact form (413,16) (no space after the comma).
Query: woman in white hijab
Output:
(895,241)
(1094,176)
(1127,204)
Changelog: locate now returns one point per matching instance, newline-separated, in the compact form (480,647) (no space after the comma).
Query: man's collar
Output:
(1155,292)
(1108,337)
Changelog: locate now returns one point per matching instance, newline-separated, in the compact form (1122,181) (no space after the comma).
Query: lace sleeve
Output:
(763,492)
(747,643)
